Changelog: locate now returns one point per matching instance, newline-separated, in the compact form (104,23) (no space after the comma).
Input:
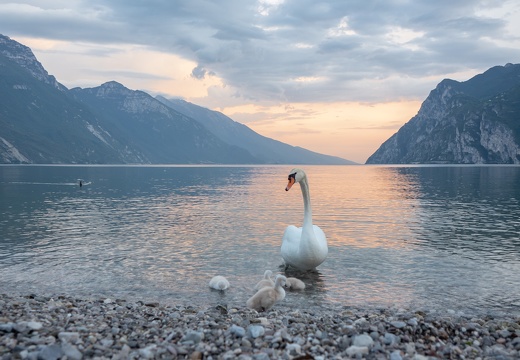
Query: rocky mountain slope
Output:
(41,121)
(472,122)
(159,133)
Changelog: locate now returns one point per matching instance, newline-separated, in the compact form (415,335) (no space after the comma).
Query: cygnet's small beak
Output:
(291,183)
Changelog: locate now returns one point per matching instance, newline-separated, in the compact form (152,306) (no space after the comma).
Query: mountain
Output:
(263,148)
(41,121)
(24,57)
(472,122)
(161,134)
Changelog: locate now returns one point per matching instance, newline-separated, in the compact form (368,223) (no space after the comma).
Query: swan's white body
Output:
(266,281)
(294,284)
(219,283)
(266,297)
(303,247)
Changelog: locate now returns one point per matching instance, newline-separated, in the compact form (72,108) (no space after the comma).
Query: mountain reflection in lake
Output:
(439,237)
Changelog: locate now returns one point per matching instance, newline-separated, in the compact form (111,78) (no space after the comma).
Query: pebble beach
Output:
(64,327)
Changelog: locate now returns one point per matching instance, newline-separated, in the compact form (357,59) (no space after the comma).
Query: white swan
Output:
(219,283)
(303,247)
(266,281)
(294,284)
(266,297)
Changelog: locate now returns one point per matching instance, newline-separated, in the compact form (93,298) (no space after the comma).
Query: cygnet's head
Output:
(280,280)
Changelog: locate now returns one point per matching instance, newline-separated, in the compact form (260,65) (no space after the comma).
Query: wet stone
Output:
(238,331)
(255,331)
(398,324)
(51,352)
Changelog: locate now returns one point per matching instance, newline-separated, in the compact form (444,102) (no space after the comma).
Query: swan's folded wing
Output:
(320,235)
(292,235)
(322,240)
(290,244)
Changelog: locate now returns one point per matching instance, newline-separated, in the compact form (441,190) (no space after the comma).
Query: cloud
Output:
(110,74)
(198,72)
(354,50)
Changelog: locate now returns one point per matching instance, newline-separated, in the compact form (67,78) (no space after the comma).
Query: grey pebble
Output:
(6,327)
(255,331)
(398,324)
(412,322)
(34,325)
(192,336)
(71,352)
(357,351)
(237,330)
(293,349)
(363,340)
(51,352)
(390,339)
(70,337)
(396,355)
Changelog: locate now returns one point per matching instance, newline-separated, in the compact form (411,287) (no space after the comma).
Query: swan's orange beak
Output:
(291,183)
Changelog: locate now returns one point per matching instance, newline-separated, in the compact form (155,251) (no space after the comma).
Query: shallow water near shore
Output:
(433,237)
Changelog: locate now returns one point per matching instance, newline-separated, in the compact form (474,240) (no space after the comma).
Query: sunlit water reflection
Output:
(428,237)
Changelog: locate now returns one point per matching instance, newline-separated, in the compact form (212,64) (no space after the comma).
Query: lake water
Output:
(432,237)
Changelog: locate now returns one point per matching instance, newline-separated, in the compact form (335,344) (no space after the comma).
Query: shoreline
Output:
(51,327)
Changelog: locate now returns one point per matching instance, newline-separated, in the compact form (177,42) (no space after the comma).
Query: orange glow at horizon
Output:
(350,130)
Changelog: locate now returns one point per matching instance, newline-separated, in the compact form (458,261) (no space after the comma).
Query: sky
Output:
(337,77)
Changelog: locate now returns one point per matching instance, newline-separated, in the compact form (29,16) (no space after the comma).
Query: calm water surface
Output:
(439,237)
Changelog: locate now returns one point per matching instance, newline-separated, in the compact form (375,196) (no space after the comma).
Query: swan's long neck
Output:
(307,217)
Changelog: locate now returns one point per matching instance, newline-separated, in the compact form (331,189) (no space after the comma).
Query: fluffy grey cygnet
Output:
(294,284)
(266,281)
(266,297)
(219,283)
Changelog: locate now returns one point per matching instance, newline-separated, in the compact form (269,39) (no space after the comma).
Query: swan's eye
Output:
(293,176)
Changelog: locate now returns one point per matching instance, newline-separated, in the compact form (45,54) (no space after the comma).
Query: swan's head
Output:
(295,175)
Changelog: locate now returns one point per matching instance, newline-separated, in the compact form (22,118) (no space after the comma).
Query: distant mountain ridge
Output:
(231,132)
(159,133)
(472,122)
(41,121)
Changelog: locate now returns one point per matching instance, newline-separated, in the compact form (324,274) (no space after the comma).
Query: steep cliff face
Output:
(473,122)
(23,56)
(40,123)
